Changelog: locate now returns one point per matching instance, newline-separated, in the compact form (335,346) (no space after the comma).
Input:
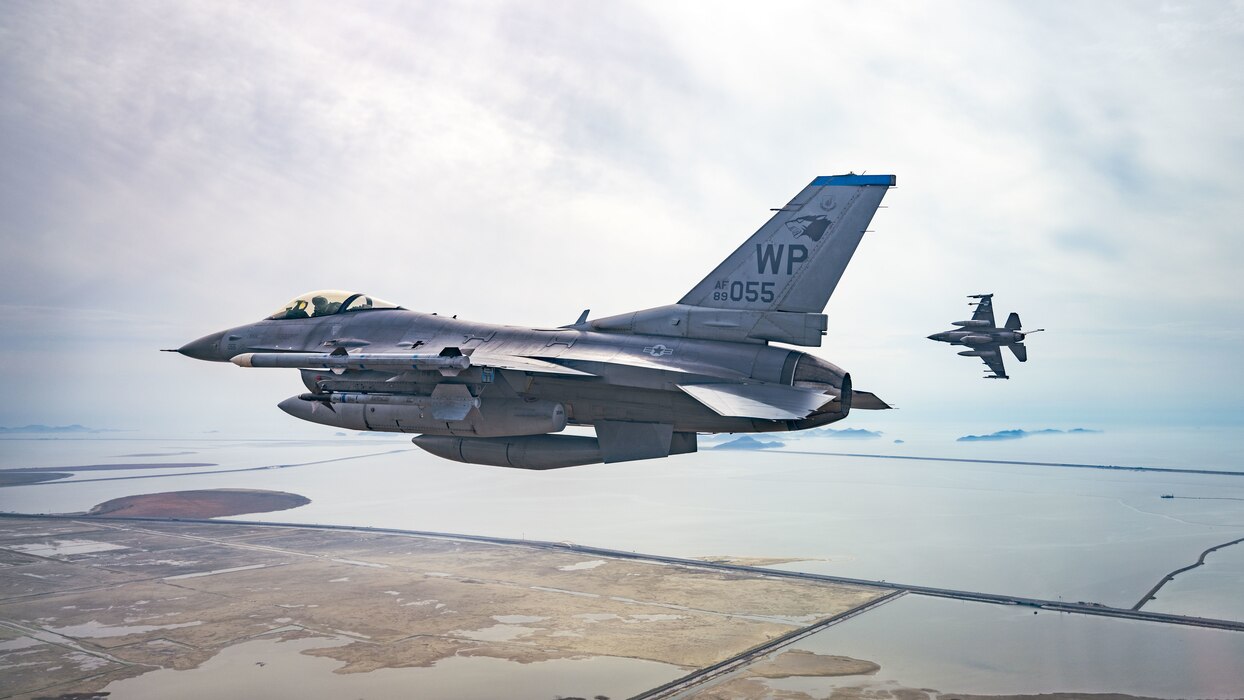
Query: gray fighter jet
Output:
(647,381)
(985,338)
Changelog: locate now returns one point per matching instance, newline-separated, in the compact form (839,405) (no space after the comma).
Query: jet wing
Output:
(768,401)
(993,359)
(525,364)
(448,364)
(984,309)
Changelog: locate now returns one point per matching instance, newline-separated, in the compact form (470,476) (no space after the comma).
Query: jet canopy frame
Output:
(328,302)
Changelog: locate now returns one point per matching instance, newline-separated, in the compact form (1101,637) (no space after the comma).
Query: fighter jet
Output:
(985,338)
(646,382)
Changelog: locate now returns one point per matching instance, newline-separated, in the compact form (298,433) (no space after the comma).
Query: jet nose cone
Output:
(205,348)
(935,336)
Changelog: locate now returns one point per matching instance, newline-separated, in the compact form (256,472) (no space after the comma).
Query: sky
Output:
(172,169)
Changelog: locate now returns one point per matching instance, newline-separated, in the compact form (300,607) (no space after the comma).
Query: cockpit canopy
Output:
(327,302)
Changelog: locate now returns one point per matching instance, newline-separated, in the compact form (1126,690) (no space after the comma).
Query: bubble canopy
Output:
(328,302)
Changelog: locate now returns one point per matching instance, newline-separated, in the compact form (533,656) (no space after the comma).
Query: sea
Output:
(1035,516)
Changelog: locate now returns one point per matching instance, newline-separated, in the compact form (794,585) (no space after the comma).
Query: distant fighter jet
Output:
(646,381)
(986,339)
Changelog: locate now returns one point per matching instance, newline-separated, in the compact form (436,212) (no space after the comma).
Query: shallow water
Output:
(271,668)
(1079,534)
(972,648)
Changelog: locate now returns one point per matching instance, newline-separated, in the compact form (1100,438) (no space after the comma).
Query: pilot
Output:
(321,306)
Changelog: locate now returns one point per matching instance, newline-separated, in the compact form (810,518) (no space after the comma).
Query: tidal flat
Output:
(130,599)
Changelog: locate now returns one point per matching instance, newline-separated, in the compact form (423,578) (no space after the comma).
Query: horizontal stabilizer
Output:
(1020,350)
(867,401)
(1012,322)
(767,401)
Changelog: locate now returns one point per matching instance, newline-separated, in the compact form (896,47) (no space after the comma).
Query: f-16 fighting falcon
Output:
(647,381)
(985,338)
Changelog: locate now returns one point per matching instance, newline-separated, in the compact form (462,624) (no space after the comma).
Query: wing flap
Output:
(767,401)
(525,364)
(612,357)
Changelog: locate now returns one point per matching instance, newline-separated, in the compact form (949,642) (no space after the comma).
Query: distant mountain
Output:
(846,433)
(1018,434)
(748,442)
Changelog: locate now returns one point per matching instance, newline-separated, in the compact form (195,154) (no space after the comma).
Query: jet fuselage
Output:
(643,389)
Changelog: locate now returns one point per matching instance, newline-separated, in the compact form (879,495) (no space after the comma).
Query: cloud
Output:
(190,167)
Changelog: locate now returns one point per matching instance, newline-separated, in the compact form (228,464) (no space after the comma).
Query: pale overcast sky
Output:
(171,169)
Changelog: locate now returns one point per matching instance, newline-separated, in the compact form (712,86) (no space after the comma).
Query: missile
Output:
(971,324)
(389,399)
(387,361)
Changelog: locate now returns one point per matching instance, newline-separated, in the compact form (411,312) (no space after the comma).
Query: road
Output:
(1169,577)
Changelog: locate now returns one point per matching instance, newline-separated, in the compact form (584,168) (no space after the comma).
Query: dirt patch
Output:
(806,663)
(172,595)
(212,503)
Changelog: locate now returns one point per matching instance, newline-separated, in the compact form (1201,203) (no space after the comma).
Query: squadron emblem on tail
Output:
(811,226)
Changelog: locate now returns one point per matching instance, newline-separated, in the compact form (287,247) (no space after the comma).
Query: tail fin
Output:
(794,262)
(1020,350)
(1012,323)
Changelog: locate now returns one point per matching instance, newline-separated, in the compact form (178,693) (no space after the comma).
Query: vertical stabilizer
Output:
(794,262)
